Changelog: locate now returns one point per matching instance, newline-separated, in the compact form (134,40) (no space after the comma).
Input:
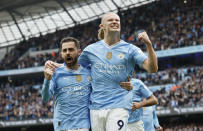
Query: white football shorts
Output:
(136,126)
(109,119)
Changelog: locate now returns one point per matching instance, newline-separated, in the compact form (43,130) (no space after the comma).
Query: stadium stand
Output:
(169,29)
(173,26)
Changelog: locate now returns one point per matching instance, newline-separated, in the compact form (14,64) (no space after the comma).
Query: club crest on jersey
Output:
(78,78)
(109,55)
(120,56)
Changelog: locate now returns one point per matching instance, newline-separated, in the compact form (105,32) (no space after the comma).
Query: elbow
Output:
(155,101)
(153,69)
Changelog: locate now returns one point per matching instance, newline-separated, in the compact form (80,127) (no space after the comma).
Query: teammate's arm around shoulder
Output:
(127,85)
(150,64)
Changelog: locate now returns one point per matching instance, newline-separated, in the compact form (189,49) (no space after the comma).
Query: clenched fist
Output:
(52,65)
(48,73)
(136,105)
(144,37)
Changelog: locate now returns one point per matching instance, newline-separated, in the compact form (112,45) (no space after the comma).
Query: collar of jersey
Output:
(111,45)
(73,71)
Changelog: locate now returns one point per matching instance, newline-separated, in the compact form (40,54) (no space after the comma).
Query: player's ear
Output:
(79,52)
(101,26)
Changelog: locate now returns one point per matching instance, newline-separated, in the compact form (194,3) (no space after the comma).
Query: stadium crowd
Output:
(189,93)
(23,101)
(184,127)
(168,25)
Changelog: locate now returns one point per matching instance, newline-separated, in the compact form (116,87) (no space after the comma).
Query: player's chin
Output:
(69,64)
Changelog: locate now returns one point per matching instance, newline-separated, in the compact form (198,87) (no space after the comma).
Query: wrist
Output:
(46,81)
(148,44)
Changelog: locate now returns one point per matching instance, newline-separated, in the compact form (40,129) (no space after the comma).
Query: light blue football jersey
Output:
(149,118)
(140,91)
(71,90)
(111,65)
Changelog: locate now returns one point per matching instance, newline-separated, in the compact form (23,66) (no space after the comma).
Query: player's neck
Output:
(73,67)
(112,38)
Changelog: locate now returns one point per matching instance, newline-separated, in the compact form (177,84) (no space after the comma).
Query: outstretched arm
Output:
(150,64)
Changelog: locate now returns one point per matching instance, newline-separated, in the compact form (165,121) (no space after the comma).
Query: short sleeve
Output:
(138,56)
(144,90)
(83,58)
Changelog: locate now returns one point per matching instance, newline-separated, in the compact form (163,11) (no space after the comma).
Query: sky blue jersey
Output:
(71,90)
(150,119)
(140,91)
(111,65)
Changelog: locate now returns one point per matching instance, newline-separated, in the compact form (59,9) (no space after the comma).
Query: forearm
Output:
(46,94)
(152,64)
(150,101)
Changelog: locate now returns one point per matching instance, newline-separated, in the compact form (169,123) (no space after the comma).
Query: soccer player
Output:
(151,122)
(112,60)
(140,91)
(70,86)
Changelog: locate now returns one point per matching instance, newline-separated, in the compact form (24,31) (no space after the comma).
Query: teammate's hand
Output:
(127,85)
(144,37)
(48,73)
(52,65)
(159,128)
(136,105)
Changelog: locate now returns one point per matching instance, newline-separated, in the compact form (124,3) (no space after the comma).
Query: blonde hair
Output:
(100,34)
(101,31)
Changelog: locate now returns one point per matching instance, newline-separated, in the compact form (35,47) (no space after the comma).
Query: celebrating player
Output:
(70,87)
(112,61)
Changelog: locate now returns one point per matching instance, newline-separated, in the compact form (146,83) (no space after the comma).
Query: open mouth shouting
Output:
(69,59)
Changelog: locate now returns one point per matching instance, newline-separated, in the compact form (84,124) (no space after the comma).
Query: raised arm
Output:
(150,64)
(46,93)
(52,65)
(47,84)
